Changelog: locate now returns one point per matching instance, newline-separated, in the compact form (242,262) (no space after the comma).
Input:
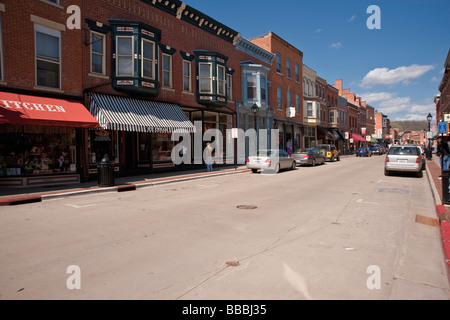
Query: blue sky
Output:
(396,69)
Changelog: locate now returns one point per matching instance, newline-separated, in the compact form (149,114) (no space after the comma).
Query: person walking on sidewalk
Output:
(444,152)
(207,155)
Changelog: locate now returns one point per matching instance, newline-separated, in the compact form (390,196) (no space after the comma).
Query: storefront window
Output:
(144,147)
(37,151)
(162,147)
(101,142)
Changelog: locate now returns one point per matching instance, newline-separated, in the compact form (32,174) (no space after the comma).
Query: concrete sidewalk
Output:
(16,196)
(442,210)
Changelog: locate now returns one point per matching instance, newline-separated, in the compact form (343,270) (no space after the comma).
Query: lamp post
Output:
(429,153)
(254,109)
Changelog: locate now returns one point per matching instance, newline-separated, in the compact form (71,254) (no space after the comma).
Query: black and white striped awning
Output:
(128,114)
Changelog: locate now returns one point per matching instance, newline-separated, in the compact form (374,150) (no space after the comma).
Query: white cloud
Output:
(351,18)
(336,45)
(389,77)
(435,79)
(371,97)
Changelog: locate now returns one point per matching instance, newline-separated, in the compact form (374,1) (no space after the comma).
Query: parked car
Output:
(309,156)
(403,158)
(329,151)
(270,160)
(375,150)
(422,153)
(363,152)
(382,149)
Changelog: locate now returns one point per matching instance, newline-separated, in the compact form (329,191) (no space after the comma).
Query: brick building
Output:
(143,69)
(286,91)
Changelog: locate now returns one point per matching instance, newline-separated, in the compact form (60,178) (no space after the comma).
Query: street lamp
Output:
(429,153)
(254,109)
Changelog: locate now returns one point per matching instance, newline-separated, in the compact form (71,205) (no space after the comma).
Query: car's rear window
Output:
(266,153)
(303,151)
(403,151)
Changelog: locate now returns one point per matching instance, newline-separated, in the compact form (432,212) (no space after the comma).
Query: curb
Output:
(24,199)
(445,232)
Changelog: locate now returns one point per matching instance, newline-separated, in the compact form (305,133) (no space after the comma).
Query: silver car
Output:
(403,158)
(271,161)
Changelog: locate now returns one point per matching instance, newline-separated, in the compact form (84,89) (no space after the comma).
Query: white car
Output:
(270,160)
(403,158)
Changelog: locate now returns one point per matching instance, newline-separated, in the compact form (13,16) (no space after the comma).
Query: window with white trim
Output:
(229,86)
(124,60)
(167,70)
(98,61)
(221,80)
(187,76)
(48,57)
(205,77)
(309,109)
(148,59)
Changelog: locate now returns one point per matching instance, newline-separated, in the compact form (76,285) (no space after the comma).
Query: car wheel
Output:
(293,165)
(386,172)
(419,174)
(338,158)
(254,170)
(313,163)
(332,159)
(277,168)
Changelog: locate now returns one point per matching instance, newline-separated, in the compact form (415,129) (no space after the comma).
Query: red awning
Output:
(357,137)
(31,110)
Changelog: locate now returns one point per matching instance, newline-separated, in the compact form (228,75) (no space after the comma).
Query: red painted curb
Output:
(440,211)
(445,233)
(20,200)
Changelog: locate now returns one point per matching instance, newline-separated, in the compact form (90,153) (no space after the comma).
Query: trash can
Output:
(105,172)
(446,186)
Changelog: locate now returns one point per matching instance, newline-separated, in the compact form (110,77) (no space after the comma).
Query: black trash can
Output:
(105,172)
(445,186)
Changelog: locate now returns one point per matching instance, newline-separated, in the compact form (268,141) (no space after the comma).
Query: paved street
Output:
(323,232)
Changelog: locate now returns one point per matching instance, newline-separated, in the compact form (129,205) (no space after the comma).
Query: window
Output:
(309,110)
(279,99)
(148,59)
(167,71)
(54,1)
(221,80)
(297,103)
(205,78)
(288,68)
(263,85)
(251,87)
(48,57)
(229,87)
(98,53)
(187,77)
(297,75)
(332,119)
(124,59)
(278,63)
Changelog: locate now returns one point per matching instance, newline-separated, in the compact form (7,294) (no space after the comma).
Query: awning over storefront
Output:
(327,133)
(357,137)
(127,114)
(31,110)
(337,134)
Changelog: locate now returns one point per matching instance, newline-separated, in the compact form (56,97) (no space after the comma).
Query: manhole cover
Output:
(246,207)
(233,263)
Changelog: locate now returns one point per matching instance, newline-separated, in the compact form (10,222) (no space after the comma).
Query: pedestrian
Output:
(207,155)
(444,152)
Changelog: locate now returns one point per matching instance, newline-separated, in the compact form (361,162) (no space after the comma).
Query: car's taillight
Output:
(365,150)
(306,157)
(268,161)
(387,159)
(248,159)
(418,160)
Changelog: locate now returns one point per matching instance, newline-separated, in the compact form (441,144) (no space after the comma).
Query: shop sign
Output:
(102,135)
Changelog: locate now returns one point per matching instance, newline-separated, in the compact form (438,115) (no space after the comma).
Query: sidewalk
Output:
(442,210)
(15,196)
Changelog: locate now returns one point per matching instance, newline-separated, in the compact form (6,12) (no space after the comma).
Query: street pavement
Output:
(136,245)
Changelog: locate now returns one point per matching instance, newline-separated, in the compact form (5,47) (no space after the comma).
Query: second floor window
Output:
(288,68)
(229,87)
(278,63)
(98,63)
(125,66)
(187,78)
(148,59)
(167,70)
(48,58)
(309,110)
(279,99)
(221,80)
(205,78)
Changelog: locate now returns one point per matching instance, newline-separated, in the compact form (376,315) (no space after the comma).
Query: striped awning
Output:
(128,114)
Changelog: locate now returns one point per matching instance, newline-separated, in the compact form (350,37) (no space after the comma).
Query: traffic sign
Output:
(442,127)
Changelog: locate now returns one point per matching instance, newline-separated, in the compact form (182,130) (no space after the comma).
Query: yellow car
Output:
(329,151)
